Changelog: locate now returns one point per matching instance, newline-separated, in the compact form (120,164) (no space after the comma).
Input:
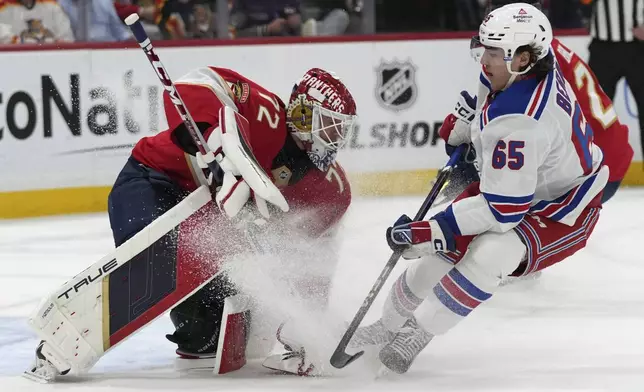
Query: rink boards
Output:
(69,118)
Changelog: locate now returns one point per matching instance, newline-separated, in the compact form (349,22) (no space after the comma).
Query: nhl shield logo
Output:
(396,87)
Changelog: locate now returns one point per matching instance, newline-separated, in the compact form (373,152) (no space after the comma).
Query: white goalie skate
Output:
(47,365)
(399,354)
(288,356)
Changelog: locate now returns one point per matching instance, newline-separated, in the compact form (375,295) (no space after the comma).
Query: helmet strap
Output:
(514,74)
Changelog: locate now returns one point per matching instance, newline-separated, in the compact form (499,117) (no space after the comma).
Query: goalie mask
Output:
(322,115)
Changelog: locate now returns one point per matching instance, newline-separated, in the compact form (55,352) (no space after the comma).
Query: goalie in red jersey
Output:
(295,145)
(609,133)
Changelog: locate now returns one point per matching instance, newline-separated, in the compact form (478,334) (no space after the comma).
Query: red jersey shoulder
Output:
(265,112)
(326,195)
(160,151)
(609,133)
(562,52)
(593,101)
(202,103)
(242,86)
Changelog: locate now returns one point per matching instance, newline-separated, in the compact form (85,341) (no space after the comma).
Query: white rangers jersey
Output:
(44,22)
(535,153)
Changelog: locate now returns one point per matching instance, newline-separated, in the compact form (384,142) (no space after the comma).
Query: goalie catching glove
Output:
(243,177)
(419,238)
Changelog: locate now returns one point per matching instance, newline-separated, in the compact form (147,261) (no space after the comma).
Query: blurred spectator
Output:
(427,15)
(147,11)
(566,14)
(325,17)
(6,34)
(203,25)
(36,21)
(174,17)
(258,18)
(586,12)
(354,7)
(125,8)
(99,23)
(453,15)
(470,14)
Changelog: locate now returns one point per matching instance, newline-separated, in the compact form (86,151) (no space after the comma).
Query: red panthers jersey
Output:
(326,193)
(205,91)
(609,134)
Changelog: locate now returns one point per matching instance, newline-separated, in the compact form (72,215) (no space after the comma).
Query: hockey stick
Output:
(144,41)
(340,358)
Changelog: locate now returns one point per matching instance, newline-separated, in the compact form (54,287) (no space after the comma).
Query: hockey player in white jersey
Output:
(537,202)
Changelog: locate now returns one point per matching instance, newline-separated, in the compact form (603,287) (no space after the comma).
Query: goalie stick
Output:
(144,42)
(340,358)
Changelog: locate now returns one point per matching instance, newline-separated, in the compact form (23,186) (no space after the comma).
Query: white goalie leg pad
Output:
(233,334)
(65,347)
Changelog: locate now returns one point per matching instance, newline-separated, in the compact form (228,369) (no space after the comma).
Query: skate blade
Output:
(383,372)
(194,364)
(29,375)
(510,280)
(283,372)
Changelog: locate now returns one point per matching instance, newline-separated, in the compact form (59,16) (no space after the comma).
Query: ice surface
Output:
(578,328)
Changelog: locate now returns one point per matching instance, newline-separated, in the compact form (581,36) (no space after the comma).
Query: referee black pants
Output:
(611,61)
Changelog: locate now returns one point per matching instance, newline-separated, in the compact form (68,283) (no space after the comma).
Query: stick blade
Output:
(340,359)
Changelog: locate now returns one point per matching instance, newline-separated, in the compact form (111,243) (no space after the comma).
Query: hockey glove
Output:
(420,238)
(456,126)
(465,107)
(243,178)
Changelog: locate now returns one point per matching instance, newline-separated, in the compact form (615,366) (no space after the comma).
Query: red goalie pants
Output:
(548,242)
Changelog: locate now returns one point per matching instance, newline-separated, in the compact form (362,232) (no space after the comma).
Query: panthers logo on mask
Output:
(300,114)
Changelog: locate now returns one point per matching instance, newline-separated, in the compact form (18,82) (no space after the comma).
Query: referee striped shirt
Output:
(613,20)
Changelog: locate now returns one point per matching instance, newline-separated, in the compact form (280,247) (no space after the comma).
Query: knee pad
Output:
(490,257)
(423,275)
(494,254)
